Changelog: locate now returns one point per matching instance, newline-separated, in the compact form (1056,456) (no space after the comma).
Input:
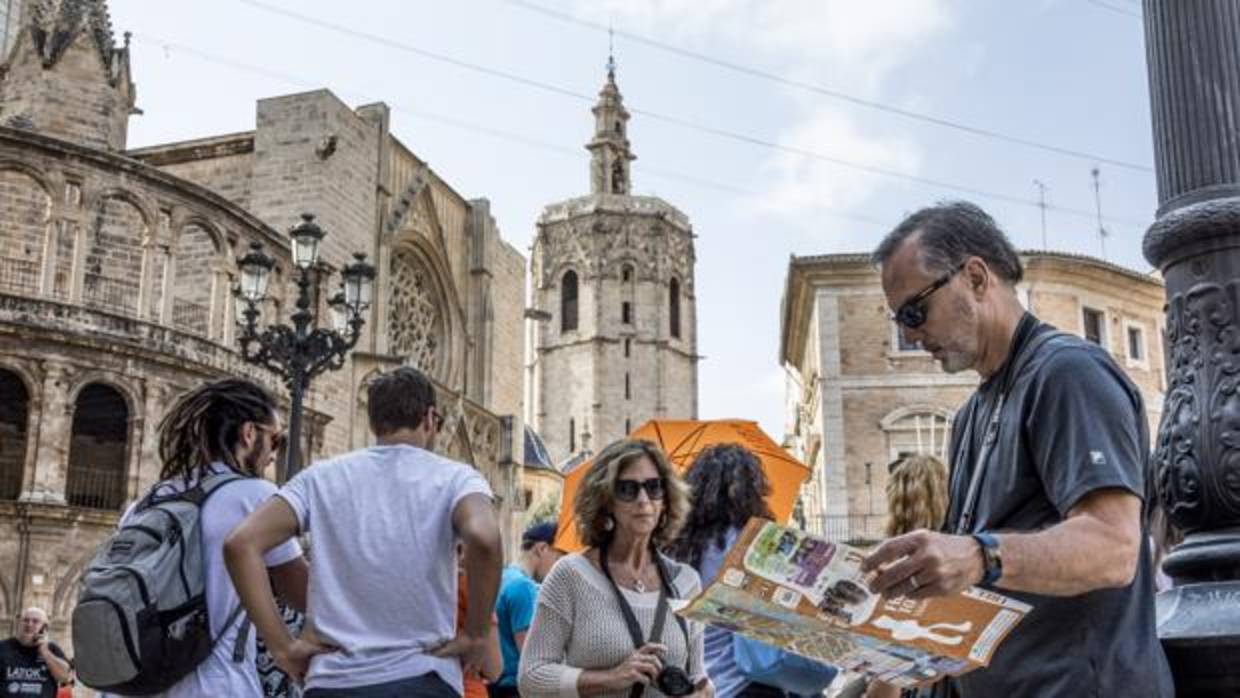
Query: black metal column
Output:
(1193,55)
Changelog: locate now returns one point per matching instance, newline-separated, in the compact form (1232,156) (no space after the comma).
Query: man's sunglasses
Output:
(278,438)
(912,313)
(628,490)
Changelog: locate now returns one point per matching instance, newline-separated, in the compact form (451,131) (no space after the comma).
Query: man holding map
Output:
(1048,462)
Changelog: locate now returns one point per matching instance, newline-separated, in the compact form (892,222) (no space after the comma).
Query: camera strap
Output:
(660,614)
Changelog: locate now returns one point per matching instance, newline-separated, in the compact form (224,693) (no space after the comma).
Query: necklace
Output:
(637,584)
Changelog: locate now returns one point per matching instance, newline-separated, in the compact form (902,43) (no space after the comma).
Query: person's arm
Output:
(518,639)
(290,582)
(1097,547)
(54,657)
(268,526)
(878,689)
(476,525)
(493,665)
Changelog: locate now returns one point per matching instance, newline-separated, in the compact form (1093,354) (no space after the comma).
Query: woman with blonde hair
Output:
(603,624)
(916,495)
(916,498)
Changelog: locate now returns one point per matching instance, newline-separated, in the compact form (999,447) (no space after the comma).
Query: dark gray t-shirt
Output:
(1072,423)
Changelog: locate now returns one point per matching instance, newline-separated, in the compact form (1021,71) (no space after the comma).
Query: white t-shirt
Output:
(383,569)
(219,675)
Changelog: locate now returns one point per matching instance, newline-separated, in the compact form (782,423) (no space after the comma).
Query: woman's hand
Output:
(704,688)
(643,666)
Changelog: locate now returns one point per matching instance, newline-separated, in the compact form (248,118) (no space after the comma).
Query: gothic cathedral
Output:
(613,288)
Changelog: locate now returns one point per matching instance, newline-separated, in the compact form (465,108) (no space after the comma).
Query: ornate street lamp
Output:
(301,352)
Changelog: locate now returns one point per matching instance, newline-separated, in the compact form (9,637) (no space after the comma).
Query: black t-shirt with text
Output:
(23,672)
(1072,424)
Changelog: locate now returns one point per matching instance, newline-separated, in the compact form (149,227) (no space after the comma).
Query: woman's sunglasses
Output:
(627,490)
(912,313)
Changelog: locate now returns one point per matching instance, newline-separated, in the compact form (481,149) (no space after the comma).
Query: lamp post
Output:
(301,352)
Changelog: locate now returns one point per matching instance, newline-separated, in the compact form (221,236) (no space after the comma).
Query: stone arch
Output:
(15,411)
(196,255)
(65,592)
(117,235)
(459,448)
(425,326)
(917,429)
(100,445)
(27,202)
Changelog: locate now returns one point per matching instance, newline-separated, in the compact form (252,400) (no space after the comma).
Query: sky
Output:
(780,127)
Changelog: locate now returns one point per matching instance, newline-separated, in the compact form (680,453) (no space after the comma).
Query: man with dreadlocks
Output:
(384,521)
(228,426)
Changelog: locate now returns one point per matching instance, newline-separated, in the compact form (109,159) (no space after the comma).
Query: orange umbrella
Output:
(682,440)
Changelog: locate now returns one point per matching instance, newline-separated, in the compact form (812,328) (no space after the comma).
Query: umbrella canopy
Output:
(682,440)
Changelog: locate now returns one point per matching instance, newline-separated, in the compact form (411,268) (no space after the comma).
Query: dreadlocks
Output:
(205,424)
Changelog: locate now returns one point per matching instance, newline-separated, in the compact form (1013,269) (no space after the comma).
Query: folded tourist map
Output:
(806,595)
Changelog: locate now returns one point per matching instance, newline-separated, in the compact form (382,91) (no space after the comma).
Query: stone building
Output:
(612,278)
(859,396)
(116,271)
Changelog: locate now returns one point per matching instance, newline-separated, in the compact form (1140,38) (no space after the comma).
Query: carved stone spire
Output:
(610,150)
(65,76)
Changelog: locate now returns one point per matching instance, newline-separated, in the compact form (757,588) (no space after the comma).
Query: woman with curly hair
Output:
(603,625)
(729,488)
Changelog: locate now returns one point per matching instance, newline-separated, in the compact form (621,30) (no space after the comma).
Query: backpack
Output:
(141,622)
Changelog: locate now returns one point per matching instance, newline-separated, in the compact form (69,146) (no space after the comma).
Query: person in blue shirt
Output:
(518,596)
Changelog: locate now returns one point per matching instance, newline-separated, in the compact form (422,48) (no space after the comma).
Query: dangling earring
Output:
(608,523)
(662,521)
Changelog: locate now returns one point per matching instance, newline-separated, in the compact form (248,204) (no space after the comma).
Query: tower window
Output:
(626,313)
(628,391)
(673,310)
(572,436)
(628,347)
(1092,322)
(619,128)
(568,301)
(618,185)
(628,426)
(626,274)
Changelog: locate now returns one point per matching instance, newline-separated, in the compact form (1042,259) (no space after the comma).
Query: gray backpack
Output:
(141,621)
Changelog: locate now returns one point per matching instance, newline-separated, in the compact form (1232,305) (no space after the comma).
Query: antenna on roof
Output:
(1042,205)
(1102,231)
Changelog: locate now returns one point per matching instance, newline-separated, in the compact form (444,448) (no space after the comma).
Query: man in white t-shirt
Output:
(227,426)
(384,521)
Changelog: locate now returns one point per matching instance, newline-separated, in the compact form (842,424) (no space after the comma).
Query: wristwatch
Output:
(992,560)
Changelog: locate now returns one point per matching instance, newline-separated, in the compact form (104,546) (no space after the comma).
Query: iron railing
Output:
(190,315)
(19,275)
(117,295)
(95,488)
(858,528)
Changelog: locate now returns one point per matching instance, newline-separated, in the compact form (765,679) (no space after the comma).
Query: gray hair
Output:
(950,233)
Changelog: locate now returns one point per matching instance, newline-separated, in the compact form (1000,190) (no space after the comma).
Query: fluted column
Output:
(1193,54)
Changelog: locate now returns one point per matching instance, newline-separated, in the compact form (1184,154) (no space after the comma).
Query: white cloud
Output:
(846,45)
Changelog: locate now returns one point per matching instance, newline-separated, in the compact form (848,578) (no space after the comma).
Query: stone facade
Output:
(858,398)
(116,273)
(613,284)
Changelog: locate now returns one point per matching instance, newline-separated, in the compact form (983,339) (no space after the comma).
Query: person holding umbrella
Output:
(603,624)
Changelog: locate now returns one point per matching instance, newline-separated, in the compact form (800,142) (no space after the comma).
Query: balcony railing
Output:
(190,315)
(19,275)
(117,295)
(857,529)
(95,488)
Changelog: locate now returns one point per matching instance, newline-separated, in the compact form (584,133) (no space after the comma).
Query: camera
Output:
(673,681)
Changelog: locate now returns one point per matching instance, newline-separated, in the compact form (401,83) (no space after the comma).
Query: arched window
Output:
(673,309)
(14,416)
(98,449)
(917,432)
(568,301)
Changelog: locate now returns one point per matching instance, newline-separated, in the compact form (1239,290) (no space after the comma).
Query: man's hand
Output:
(294,658)
(922,564)
(470,650)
